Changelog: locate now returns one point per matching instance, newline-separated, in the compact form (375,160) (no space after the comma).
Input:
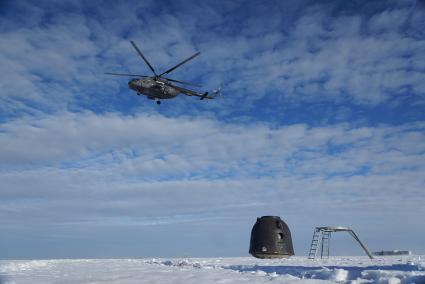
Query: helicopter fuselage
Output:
(153,89)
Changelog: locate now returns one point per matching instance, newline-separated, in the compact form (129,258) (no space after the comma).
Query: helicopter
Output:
(158,87)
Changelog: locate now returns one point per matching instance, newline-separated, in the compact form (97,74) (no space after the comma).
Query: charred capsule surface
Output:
(271,238)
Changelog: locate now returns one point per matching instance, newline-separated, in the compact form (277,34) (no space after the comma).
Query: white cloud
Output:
(155,142)
(82,167)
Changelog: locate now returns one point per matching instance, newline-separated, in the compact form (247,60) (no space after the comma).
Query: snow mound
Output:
(182,263)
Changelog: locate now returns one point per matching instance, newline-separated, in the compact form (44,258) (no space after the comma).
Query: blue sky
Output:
(321,122)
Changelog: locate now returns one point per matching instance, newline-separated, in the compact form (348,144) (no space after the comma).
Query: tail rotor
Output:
(217,92)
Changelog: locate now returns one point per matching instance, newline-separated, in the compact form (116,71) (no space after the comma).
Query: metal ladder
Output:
(314,244)
(322,236)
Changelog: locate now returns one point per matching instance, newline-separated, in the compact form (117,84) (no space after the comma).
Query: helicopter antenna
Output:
(144,58)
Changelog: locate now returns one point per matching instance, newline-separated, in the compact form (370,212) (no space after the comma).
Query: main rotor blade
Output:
(180,64)
(128,75)
(144,58)
(181,82)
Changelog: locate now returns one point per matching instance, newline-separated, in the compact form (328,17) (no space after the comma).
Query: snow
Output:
(353,270)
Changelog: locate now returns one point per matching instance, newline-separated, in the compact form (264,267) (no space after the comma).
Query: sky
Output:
(321,122)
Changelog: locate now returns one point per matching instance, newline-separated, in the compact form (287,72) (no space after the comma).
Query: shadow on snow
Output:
(407,273)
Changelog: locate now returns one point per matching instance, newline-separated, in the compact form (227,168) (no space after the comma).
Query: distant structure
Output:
(321,241)
(271,238)
(392,252)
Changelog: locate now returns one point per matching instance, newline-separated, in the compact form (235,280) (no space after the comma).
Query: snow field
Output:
(353,270)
